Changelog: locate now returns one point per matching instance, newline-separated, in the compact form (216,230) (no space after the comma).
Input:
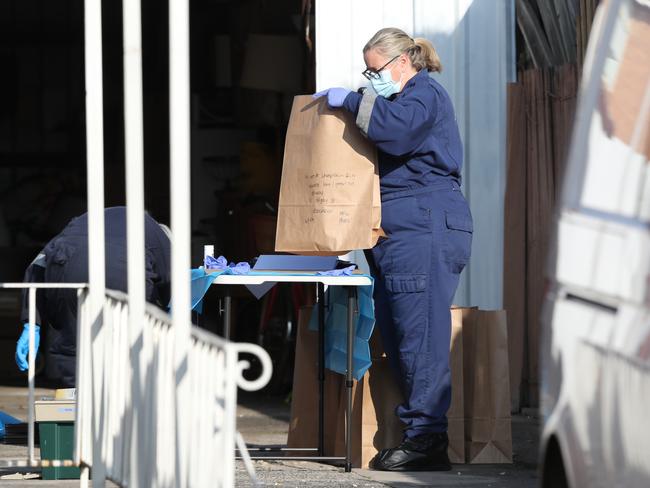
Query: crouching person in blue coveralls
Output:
(410,117)
(65,260)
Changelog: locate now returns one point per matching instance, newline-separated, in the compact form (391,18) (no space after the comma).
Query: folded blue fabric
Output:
(336,327)
(338,272)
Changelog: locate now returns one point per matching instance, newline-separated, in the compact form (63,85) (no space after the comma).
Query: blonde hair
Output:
(391,42)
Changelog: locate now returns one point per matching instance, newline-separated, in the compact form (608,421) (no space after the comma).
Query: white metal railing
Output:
(110,396)
(31,460)
(155,402)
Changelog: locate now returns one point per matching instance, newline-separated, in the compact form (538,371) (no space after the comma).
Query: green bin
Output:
(57,442)
(56,432)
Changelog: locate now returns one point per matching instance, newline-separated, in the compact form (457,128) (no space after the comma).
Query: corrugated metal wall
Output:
(475,40)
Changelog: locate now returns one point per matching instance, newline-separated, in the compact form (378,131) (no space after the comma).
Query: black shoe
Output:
(426,452)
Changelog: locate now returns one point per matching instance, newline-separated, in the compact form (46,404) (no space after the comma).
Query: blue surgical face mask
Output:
(384,85)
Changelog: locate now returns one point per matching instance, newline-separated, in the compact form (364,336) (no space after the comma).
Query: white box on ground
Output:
(55,410)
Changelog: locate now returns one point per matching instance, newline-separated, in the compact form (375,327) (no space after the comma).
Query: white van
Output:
(595,393)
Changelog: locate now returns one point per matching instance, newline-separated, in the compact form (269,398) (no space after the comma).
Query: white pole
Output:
(30,374)
(179,115)
(179,141)
(133,137)
(95,189)
(95,153)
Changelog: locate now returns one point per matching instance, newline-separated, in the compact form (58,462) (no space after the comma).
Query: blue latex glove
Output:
(239,268)
(222,263)
(338,272)
(215,263)
(335,96)
(22,348)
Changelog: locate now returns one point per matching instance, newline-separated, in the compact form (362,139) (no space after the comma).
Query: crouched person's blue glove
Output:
(22,347)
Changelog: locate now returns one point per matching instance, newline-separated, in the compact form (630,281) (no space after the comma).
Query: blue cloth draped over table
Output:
(336,317)
(201,281)
(336,326)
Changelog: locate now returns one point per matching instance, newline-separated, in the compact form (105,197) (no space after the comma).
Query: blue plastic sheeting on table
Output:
(201,282)
(336,330)
(6,419)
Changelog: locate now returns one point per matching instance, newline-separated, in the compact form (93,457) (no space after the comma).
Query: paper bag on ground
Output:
(488,435)
(375,398)
(303,428)
(456,413)
(374,423)
(329,194)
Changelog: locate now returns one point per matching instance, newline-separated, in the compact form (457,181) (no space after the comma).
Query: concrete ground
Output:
(264,420)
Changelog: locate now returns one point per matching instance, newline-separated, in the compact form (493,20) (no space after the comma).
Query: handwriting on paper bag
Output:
(324,187)
(325,190)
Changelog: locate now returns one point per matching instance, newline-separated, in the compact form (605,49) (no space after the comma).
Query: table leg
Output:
(227,310)
(348,377)
(320,297)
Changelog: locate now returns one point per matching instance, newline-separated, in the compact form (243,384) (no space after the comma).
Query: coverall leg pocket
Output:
(457,246)
(408,302)
(410,313)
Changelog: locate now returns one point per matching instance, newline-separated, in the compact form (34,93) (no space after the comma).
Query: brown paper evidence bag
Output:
(329,193)
(479,416)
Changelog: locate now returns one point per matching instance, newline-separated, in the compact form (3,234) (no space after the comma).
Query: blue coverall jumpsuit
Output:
(429,229)
(65,260)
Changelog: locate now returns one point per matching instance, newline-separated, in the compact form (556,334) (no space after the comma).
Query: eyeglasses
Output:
(373,74)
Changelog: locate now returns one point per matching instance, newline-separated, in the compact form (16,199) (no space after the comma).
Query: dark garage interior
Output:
(248,59)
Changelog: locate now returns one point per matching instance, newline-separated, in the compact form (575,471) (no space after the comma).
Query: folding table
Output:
(348,282)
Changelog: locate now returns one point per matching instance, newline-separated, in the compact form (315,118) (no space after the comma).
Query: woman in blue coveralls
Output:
(410,118)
